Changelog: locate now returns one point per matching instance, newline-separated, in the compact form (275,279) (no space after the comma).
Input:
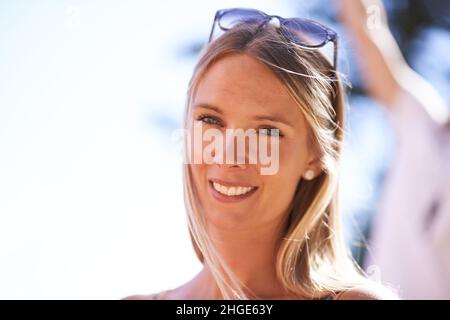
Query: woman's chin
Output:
(231,220)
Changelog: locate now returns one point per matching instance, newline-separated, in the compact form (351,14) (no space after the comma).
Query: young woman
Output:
(274,236)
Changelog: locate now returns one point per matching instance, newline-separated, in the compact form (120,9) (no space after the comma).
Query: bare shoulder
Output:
(140,297)
(367,292)
(152,296)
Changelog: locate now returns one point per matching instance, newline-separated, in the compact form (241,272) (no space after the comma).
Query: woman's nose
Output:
(234,151)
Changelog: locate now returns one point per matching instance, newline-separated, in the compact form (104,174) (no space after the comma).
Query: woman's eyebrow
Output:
(274,119)
(207,106)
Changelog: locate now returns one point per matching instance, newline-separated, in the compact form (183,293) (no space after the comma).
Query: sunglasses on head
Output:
(303,32)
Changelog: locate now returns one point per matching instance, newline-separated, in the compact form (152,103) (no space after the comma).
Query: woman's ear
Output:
(313,168)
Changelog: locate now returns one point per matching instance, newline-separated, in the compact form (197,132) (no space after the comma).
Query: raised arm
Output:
(377,52)
(384,70)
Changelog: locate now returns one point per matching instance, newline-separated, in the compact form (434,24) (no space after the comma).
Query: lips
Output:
(226,191)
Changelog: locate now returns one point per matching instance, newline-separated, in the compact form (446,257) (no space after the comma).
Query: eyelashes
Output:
(270,132)
(209,119)
(264,130)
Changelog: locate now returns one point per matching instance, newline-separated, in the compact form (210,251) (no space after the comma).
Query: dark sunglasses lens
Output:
(233,17)
(304,32)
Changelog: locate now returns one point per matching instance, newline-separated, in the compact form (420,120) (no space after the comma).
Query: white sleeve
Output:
(414,131)
(440,229)
(417,116)
(424,141)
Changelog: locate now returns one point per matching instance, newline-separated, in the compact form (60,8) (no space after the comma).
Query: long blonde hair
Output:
(312,260)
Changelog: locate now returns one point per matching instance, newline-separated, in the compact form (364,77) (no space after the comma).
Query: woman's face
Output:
(239,92)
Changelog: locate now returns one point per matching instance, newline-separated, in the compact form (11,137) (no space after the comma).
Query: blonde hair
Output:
(312,260)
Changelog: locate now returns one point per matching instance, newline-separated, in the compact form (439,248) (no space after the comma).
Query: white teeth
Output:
(231,191)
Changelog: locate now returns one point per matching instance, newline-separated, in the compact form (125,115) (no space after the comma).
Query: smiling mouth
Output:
(231,192)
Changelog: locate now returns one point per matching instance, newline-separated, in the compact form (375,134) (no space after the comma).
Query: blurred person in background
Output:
(410,236)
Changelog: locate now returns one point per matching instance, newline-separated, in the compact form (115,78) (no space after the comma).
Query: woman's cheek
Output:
(292,161)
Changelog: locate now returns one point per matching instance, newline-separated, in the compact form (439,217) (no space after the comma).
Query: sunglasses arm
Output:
(214,25)
(335,53)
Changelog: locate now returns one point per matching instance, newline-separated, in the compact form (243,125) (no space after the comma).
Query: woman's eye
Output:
(270,132)
(208,119)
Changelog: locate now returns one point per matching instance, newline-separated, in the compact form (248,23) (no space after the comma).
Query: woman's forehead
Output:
(242,79)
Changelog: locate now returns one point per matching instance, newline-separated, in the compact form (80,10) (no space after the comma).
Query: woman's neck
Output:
(251,255)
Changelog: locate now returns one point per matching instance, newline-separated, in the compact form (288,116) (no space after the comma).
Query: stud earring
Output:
(309,175)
